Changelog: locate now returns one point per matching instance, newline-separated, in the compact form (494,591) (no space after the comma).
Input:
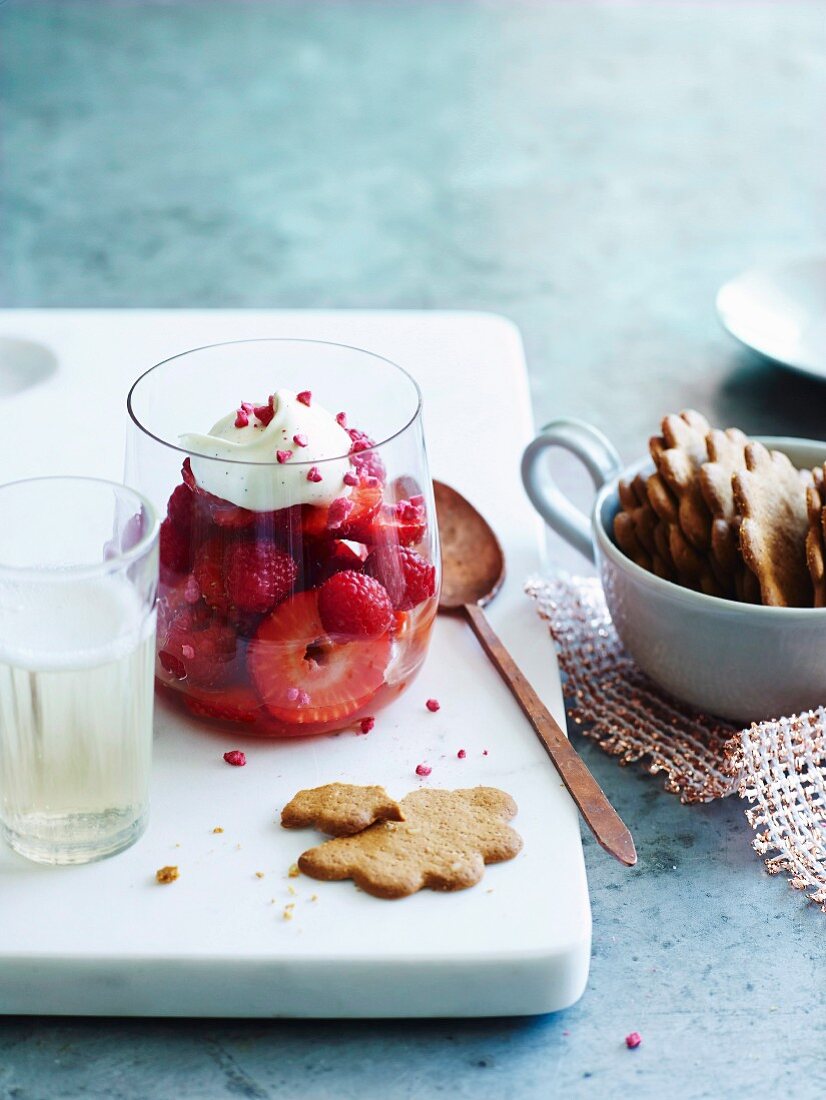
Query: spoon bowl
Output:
(473,563)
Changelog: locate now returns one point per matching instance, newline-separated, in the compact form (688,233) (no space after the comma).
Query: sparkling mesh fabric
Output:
(778,767)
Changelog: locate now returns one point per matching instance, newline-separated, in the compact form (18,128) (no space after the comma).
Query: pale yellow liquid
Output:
(75,746)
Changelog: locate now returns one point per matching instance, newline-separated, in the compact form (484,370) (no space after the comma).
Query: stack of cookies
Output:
(725,516)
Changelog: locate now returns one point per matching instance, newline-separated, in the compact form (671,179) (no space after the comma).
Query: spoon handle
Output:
(601,817)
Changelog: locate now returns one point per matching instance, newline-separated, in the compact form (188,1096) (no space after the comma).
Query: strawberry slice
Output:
(358,524)
(365,501)
(402,524)
(237,703)
(302,676)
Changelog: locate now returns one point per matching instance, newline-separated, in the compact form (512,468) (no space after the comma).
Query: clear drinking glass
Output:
(78,585)
(240,632)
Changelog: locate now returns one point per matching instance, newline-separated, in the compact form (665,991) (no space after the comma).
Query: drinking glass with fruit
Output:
(299,569)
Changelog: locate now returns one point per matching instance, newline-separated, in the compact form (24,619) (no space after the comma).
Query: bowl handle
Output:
(598,456)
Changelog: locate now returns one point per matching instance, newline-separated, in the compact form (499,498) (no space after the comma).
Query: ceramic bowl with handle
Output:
(740,661)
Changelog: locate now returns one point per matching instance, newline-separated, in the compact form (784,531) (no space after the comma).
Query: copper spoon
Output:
(473,569)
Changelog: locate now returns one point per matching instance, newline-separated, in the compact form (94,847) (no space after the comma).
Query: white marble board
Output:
(105,939)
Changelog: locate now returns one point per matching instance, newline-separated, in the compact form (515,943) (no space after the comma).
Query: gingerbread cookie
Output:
(727,456)
(816,535)
(770,498)
(639,531)
(678,455)
(340,809)
(443,843)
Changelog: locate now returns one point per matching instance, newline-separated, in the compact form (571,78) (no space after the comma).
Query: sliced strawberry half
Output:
(302,676)
(358,523)
(402,524)
(237,703)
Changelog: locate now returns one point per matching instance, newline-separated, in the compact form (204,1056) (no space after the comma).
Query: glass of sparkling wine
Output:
(78,581)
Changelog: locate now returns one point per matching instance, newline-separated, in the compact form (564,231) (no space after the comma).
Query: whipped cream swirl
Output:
(269,460)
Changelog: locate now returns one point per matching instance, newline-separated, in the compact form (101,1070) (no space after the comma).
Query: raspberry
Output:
(222,512)
(242,418)
(461,754)
(176,530)
(314,474)
(305,397)
(180,506)
(175,546)
(208,571)
(367,724)
(408,577)
(423,769)
(300,439)
(236,758)
(633,1040)
(350,603)
(350,478)
(283,456)
(341,419)
(433,705)
(257,576)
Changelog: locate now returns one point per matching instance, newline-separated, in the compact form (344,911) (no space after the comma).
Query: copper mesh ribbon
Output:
(779,767)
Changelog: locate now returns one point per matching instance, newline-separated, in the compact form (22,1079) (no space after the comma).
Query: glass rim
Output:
(273,340)
(83,570)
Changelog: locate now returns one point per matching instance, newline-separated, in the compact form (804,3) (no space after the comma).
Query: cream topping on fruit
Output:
(292,435)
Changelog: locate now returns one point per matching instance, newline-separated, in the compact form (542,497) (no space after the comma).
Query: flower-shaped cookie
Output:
(443,843)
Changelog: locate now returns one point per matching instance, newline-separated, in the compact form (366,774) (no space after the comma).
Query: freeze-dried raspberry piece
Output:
(408,577)
(363,457)
(351,604)
(264,413)
(236,758)
(257,576)
(305,397)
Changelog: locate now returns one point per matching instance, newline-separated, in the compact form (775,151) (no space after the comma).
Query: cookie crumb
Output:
(633,1040)
(292,891)
(166,874)
(433,705)
(288,911)
(236,758)
(218,829)
(313,897)
(259,874)
(293,872)
(423,769)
